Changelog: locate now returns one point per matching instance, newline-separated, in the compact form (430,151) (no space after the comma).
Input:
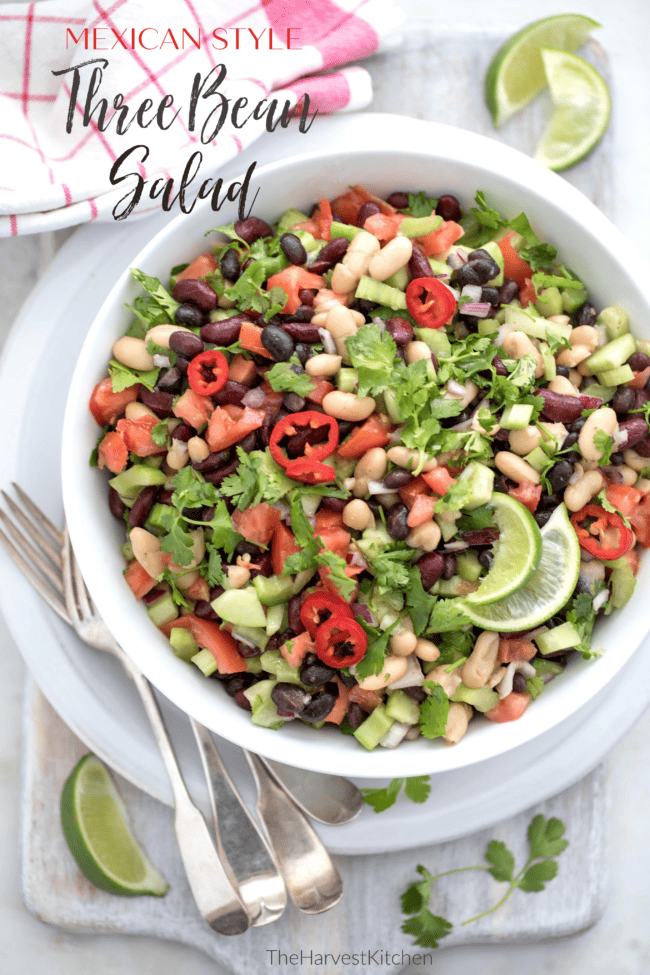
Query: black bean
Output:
(183,432)
(277,342)
(450,566)
(431,566)
(617,459)
(519,685)
(186,343)
(290,698)
(157,400)
(400,330)
(190,316)
(252,229)
(560,475)
(347,678)
(203,609)
(563,371)
(396,525)
(490,295)
(478,254)
(115,504)
(367,209)
(293,249)
(142,506)
(355,715)
(224,332)
(486,268)
(638,361)
(508,291)
(448,207)
(585,315)
(501,484)
(293,614)
(314,673)
(577,425)
(416,692)
(169,380)
(229,264)
(541,517)
(319,707)
(467,274)
(548,502)
(196,292)
(366,307)
(303,351)
(399,200)
(246,651)
(486,558)
(624,399)
(419,264)
(238,682)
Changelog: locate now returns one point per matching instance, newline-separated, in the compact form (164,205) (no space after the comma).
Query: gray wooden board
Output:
(438,76)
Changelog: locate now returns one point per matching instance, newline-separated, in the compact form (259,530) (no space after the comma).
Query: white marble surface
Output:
(619,944)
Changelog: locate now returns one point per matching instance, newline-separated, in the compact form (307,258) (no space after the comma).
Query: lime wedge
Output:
(546,591)
(582,109)
(96,830)
(516,73)
(517,553)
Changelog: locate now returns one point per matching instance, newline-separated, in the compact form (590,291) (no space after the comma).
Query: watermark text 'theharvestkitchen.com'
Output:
(367,957)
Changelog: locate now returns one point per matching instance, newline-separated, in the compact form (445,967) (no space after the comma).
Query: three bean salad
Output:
(381,466)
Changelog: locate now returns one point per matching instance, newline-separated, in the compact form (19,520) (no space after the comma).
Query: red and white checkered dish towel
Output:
(51,178)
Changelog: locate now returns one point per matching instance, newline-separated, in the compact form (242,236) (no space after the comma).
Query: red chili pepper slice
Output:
(341,642)
(595,538)
(209,363)
(319,607)
(430,302)
(310,471)
(307,421)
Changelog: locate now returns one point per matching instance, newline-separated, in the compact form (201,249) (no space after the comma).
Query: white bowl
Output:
(438,159)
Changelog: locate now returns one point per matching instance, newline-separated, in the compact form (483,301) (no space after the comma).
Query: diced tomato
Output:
(283,544)
(633,560)
(200,266)
(367,699)
(527,494)
(138,579)
(194,409)
(198,590)
(367,197)
(510,708)
(112,452)
(510,650)
(351,572)
(527,294)
(339,710)
(326,520)
(296,648)
(336,540)
(320,391)
(137,435)
(373,433)
(383,227)
(442,238)
(319,224)
(514,266)
(411,491)
(347,206)
(250,338)
(181,622)
(625,499)
(292,280)
(640,521)
(229,426)
(106,406)
(241,370)
(326,299)
(421,511)
(219,642)
(257,523)
(640,379)
(439,480)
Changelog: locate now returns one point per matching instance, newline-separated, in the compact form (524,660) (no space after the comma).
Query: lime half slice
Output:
(582,110)
(516,73)
(517,553)
(547,590)
(96,830)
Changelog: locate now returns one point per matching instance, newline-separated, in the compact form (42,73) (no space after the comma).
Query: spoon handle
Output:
(312,880)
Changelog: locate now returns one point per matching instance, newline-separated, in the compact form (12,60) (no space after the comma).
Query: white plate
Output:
(90,691)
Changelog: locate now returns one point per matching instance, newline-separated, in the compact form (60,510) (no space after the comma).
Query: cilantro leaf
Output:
(160,295)
(223,535)
(381,799)
(454,645)
(541,280)
(605,443)
(539,256)
(283,379)
(502,860)
(94,454)
(583,617)
(447,614)
(522,227)
(537,876)
(389,567)
(249,295)
(477,519)
(545,837)
(373,355)
(427,928)
(421,205)
(434,711)
(417,788)
(373,659)
(122,377)
(231,234)
(243,484)
(160,433)
(419,602)
(337,566)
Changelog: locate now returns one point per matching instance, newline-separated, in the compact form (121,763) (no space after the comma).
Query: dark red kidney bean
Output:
(249,442)
(399,200)
(641,396)
(319,266)
(169,380)
(400,330)
(252,229)
(367,209)
(240,698)
(142,506)
(360,609)
(448,207)
(296,444)
(396,525)
(229,265)
(182,363)
(419,264)
(203,609)
(224,332)
(643,448)
(585,315)
(559,408)
(153,596)
(293,249)
(638,362)
(450,566)
(183,432)
(290,698)
(186,343)
(216,477)
(624,399)
(264,566)
(293,614)
(189,315)
(484,536)
(635,430)
(508,291)
(276,341)
(117,507)
(334,250)
(157,400)
(212,462)
(165,496)
(333,504)
(246,652)
(306,297)
(355,715)
(499,366)
(293,402)
(302,331)
(197,292)
(431,566)
(397,479)
(232,394)
(319,707)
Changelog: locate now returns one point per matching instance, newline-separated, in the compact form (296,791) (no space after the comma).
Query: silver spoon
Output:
(329,799)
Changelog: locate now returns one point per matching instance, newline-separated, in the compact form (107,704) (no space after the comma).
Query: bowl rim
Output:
(459,145)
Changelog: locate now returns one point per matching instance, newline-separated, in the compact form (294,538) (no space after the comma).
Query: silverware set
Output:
(240,874)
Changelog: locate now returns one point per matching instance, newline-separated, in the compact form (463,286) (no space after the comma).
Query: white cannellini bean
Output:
(391,258)
(146,549)
(160,334)
(133,353)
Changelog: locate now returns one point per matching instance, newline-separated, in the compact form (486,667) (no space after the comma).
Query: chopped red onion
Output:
(455,547)
(161,360)
(600,599)
(455,389)
(254,398)
(504,687)
(377,487)
(329,345)
(395,735)
(472,291)
(396,435)
(380,323)
(360,609)
(413,676)
(456,261)
(479,309)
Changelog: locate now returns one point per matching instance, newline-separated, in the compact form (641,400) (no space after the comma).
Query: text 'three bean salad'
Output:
(381,466)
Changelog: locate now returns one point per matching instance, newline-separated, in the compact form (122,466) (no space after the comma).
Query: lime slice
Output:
(96,830)
(546,591)
(516,73)
(517,553)
(582,109)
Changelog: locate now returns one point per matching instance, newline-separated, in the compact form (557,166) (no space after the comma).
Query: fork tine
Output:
(53,554)
(37,582)
(36,557)
(83,596)
(41,518)
(68,583)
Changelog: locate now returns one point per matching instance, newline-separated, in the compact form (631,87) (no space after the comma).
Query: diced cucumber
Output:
(537,458)
(487,326)
(400,279)
(478,482)
(373,729)
(494,251)
(266,715)
(310,503)
(448,528)
(550,367)
(616,377)
(291,218)
(420,226)
(373,541)
(560,637)
(437,340)
(642,346)
(241,606)
(255,634)
(260,692)
(612,355)
(449,587)
(130,482)
(344,230)
(274,663)
(183,644)
(164,610)
(127,551)
(549,302)
(439,267)
(347,380)
(253,665)
(383,294)
(572,299)
(621,584)
(616,321)
(525,321)
(468,565)
(534,687)
(602,392)
(546,667)
(155,523)
(481,698)
(390,402)
(273,590)
(205,662)
(400,707)
(516,416)
(218,315)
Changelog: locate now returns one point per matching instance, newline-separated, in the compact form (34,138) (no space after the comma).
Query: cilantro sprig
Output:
(416,789)
(546,842)
(283,378)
